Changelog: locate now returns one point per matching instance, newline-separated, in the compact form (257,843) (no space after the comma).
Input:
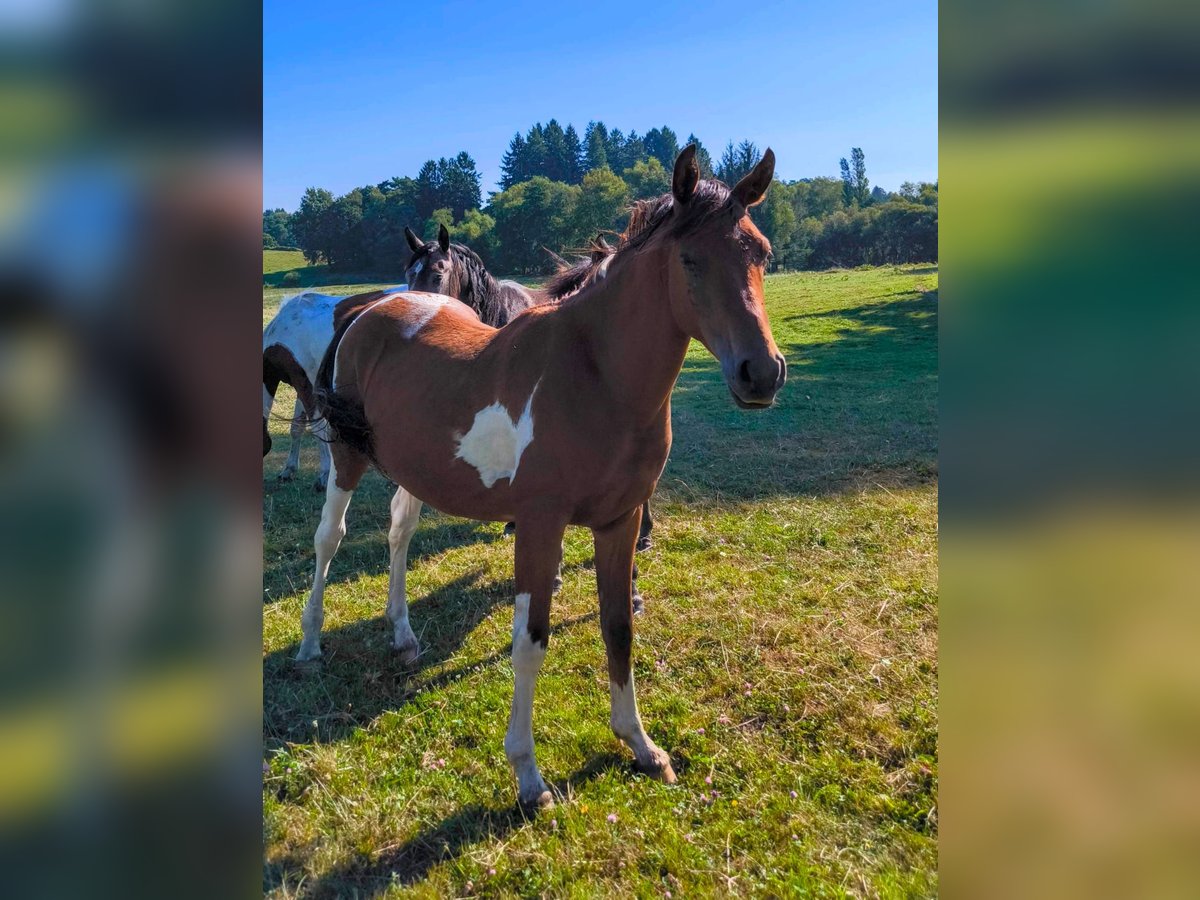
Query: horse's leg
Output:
(322,434)
(347,469)
(406,511)
(643,542)
(270,385)
(614,571)
(299,422)
(510,528)
(538,549)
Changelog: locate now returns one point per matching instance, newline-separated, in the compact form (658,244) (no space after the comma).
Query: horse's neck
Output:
(626,320)
(481,286)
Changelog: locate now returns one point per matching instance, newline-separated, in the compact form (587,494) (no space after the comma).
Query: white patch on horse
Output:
(268,402)
(494,443)
(419,309)
(304,326)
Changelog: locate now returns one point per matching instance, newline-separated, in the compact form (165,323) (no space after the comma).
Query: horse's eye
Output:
(689,262)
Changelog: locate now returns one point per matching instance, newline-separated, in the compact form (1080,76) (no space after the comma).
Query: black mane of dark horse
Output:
(496,301)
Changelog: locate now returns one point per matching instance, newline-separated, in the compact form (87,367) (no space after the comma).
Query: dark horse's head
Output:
(432,266)
(456,270)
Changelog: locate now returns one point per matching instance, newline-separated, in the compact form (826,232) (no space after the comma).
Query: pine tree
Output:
(557,167)
(514,164)
(614,148)
(574,155)
(429,188)
(596,156)
(535,152)
(460,185)
(662,144)
(856,190)
(862,187)
(634,151)
(728,164)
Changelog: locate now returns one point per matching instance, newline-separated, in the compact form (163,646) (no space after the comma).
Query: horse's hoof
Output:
(285,475)
(409,653)
(536,803)
(320,485)
(557,584)
(308,653)
(643,544)
(510,528)
(639,605)
(659,769)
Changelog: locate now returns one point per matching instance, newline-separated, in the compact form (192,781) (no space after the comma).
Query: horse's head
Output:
(716,277)
(431,267)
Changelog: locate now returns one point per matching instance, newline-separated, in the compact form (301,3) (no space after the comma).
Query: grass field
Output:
(787,659)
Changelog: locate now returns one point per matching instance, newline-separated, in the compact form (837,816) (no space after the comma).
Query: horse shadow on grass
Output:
(359,675)
(364,551)
(859,408)
(449,839)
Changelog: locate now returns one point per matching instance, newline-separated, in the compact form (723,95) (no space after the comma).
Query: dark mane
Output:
(495,302)
(647,219)
(569,278)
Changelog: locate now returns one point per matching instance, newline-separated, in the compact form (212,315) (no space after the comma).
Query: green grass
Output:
(277,263)
(789,646)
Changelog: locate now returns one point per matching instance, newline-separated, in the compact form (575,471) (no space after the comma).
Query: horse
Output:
(294,342)
(561,417)
(442,267)
(439,267)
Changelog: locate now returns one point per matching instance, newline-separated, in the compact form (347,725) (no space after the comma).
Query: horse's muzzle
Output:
(756,381)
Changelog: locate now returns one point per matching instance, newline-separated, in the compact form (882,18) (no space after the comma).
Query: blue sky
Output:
(357,92)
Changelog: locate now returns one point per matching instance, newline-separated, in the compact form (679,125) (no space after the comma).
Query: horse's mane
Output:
(570,278)
(495,302)
(646,220)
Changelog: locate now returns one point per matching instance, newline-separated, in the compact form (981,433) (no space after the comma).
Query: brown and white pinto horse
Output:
(442,267)
(562,417)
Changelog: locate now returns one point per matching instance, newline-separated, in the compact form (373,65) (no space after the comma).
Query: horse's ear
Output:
(753,187)
(687,174)
(414,242)
(444,239)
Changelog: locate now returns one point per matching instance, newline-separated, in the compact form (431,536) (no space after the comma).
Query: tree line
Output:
(559,190)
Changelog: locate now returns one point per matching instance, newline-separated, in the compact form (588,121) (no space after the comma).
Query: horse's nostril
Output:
(743,372)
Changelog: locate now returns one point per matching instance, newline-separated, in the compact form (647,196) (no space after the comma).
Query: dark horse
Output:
(442,267)
(562,417)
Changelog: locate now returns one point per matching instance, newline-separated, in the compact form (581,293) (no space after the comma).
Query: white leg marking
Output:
(293,461)
(627,725)
(406,512)
(518,742)
(494,443)
(321,430)
(268,402)
(329,536)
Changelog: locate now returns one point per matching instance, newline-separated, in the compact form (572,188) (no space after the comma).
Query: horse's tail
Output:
(344,417)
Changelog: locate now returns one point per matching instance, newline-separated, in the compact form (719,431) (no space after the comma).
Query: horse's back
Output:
(304,327)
